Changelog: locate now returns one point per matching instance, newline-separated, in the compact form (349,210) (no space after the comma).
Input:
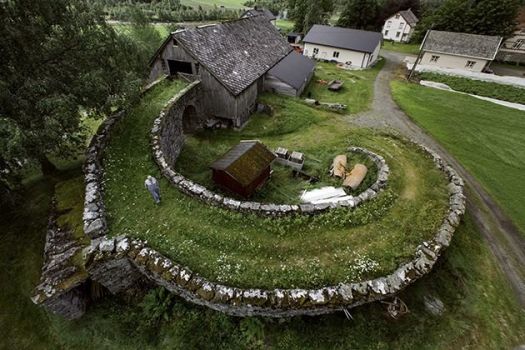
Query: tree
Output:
(314,15)
(299,14)
(359,14)
(60,63)
(487,17)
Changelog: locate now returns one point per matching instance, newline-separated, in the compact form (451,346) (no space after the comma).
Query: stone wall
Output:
(289,302)
(117,263)
(167,140)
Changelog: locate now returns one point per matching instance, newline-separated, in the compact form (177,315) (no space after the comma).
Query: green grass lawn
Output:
(204,147)
(412,49)
(486,138)
(285,25)
(480,311)
(357,91)
(477,87)
(232,4)
(247,250)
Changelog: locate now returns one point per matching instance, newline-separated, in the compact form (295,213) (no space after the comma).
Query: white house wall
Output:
(358,59)
(452,61)
(397,25)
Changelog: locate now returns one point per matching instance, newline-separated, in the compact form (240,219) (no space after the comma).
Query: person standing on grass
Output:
(152,186)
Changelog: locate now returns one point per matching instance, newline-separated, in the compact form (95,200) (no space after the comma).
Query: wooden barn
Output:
(230,59)
(244,168)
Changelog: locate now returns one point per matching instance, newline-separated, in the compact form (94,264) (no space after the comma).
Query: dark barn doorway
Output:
(189,119)
(179,67)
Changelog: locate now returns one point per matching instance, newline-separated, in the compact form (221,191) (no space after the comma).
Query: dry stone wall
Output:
(167,140)
(118,262)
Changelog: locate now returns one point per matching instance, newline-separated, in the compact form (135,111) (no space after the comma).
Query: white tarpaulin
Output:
(327,194)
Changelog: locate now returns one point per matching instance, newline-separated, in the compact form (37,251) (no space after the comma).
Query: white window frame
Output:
(316,50)
(434,58)
(335,54)
(401,25)
(388,24)
(386,32)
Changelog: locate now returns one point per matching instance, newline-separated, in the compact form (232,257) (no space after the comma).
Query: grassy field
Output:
(480,88)
(246,250)
(284,25)
(412,49)
(480,312)
(357,90)
(486,138)
(233,4)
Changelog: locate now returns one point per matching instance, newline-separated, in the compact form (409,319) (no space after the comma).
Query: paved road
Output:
(501,235)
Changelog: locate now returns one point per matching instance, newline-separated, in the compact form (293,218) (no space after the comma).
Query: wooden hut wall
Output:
(246,103)
(218,101)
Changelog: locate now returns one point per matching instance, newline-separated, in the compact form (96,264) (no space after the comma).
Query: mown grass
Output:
(285,25)
(246,250)
(295,130)
(480,310)
(486,138)
(412,49)
(357,90)
(480,88)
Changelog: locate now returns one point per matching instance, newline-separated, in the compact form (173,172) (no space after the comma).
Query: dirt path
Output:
(502,236)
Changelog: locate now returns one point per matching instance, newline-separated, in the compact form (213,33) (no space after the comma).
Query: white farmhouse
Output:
(459,50)
(400,27)
(355,48)
(513,49)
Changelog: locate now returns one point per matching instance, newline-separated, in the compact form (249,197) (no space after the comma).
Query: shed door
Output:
(179,67)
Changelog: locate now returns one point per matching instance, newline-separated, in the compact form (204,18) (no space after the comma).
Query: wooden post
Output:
(419,56)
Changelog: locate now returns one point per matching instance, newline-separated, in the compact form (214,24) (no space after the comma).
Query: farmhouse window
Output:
(386,32)
(518,44)
(401,25)
(434,58)
(397,16)
(398,34)
(470,64)
(316,50)
(388,24)
(336,54)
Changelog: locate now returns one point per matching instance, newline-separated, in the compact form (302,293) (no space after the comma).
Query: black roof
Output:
(344,38)
(236,53)
(294,69)
(259,11)
(245,161)
(463,44)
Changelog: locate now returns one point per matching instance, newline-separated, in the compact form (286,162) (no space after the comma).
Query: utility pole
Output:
(419,56)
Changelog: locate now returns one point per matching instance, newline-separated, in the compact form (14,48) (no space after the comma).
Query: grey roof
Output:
(259,11)
(409,16)
(344,38)
(245,161)
(463,44)
(294,70)
(236,53)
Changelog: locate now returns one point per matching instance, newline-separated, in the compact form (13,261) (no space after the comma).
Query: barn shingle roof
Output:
(245,161)
(236,53)
(344,38)
(463,44)
(294,70)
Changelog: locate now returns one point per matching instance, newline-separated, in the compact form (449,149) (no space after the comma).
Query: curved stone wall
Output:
(111,261)
(167,140)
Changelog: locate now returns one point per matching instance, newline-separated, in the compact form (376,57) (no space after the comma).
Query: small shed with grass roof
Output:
(244,168)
